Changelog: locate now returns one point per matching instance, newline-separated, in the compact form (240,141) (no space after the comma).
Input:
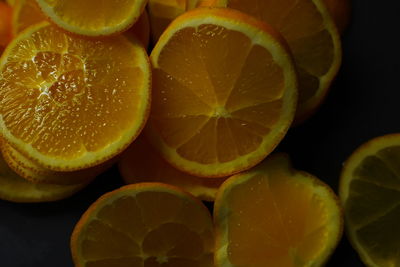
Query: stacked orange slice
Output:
(274,215)
(92,18)
(224,92)
(147,224)
(312,37)
(70,103)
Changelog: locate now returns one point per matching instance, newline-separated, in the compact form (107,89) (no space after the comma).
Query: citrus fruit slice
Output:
(340,11)
(224,92)
(163,12)
(25,14)
(5,25)
(68,102)
(141,29)
(140,163)
(17,189)
(35,173)
(370,193)
(312,36)
(274,215)
(147,224)
(91,17)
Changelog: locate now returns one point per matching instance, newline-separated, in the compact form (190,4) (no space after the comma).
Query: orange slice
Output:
(141,29)
(5,25)
(16,189)
(68,102)
(91,17)
(163,12)
(147,224)
(25,14)
(140,163)
(312,36)
(35,173)
(274,215)
(224,92)
(370,193)
(340,11)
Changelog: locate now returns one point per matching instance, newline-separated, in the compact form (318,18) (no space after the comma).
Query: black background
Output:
(363,103)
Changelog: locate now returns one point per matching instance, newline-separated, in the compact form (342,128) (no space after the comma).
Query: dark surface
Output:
(363,103)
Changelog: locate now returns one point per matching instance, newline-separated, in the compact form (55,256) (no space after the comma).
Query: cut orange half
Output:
(91,17)
(70,103)
(274,215)
(35,173)
(140,163)
(17,189)
(370,193)
(25,14)
(312,36)
(163,12)
(224,92)
(147,224)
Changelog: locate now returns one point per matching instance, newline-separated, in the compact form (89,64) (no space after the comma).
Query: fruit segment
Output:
(312,37)
(275,216)
(370,193)
(146,224)
(14,188)
(224,92)
(91,17)
(69,102)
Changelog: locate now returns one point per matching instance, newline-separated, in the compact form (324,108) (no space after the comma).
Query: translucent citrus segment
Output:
(313,39)
(140,163)
(370,193)
(274,215)
(163,12)
(14,188)
(69,103)
(35,173)
(91,17)
(25,14)
(146,224)
(224,92)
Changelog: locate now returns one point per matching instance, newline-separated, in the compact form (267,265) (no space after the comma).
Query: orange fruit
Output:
(224,92)
(92,18)
(340,11)
(140,163)
(274,215)
(35,173)
(25,14)
(16,189)
(68,102)
(146,224)
(312,37)
(5,25)
(28,12)
(163,12)
(141,29)
(370,193)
